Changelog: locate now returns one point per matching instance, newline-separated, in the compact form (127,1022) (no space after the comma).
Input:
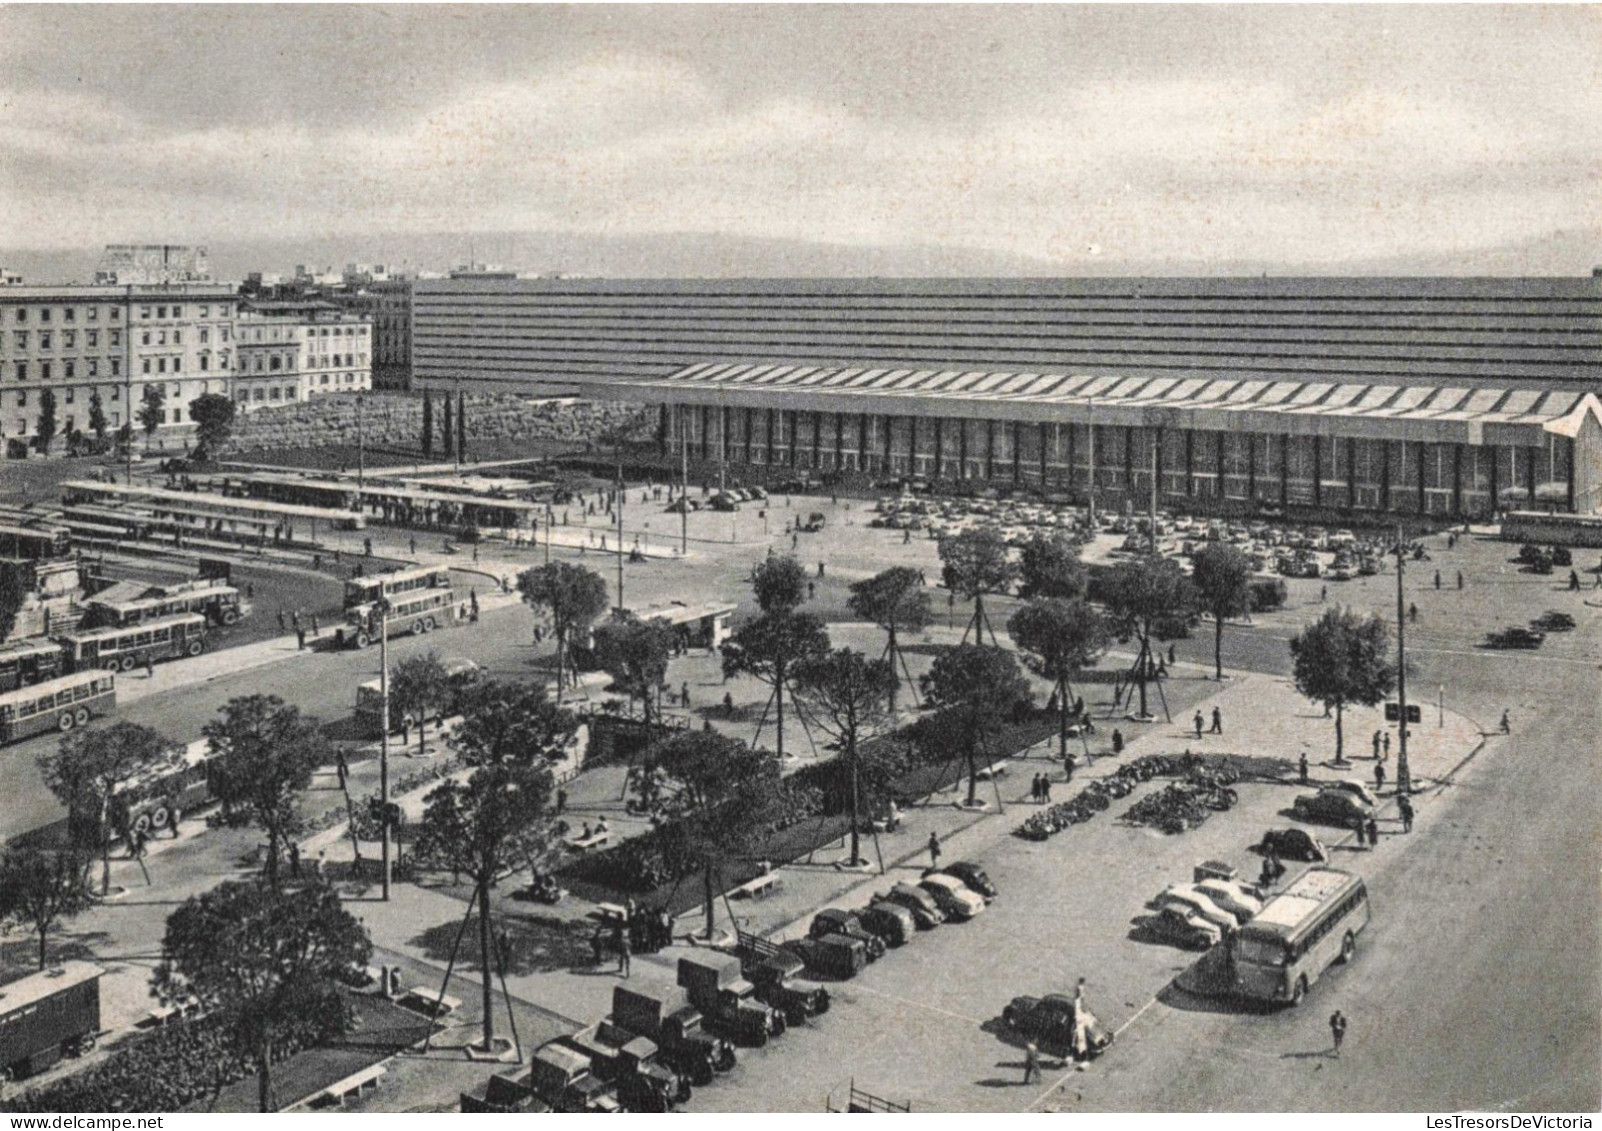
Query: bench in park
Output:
(430,1001)
(353,1085)
(994,770)
(758,887)
(594,840)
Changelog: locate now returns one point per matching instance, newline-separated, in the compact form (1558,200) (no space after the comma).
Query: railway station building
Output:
(1441,397)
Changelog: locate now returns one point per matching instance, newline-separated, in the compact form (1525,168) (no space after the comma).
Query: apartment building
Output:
(294,351)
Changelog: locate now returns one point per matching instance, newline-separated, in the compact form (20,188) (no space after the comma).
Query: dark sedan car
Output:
(1515,637)
(1334,806)
(1050,1021)
(970,874)
(833,921)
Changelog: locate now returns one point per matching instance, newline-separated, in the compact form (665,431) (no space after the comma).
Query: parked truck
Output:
(717,988)
(675,1025)
(629,1062)
(777,975)
(564,1079)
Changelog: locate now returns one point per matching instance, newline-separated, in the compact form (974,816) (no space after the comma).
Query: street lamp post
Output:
(1404,779)
(383,738)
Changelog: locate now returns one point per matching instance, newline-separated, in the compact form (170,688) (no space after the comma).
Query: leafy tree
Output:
(849,694)
(47,418)
(97,415)
(41,887)
(1059,638)
(635,654)
(418,687)
(152,407)
(263,753)
(1342,658)
(214,416)
(894,599)
(428,423)
(1149,599)
(264,963)
(450,426)
(780,584)
(501,812)
(973,688)
(727,799)
(572,596)
(1049,566)
(974,564)
(768,647)
(87,770)
(1222,576)
(15,589)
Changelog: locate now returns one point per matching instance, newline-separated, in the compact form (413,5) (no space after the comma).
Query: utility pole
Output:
(1156,439)
(361,453)
(1404,780)
(620,605)
(550,523)
(383,736)
(684,484)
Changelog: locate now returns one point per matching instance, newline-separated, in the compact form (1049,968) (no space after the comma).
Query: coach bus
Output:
(366,590)
(416,613)
(27,662)
(56,704)
(1302,931)
(220,604)
(123,649)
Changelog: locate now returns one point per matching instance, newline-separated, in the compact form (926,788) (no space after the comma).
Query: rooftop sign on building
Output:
(144,264)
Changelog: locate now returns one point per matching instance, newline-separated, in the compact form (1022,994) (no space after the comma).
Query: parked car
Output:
(1516,637)
(1050,1021)
(1188,930)
(925,911)
(1356,789)
(1553,621)
(953,896)
(890,921)
(1190,901)
(1232,897)
(1293,844)
(970,874)
(833,921)
(1332,805)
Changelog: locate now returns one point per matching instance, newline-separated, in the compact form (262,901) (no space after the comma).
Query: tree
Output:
(727,799)
(975,563)
(635,654)
(450,426)
(418,687)
(894,599)
(572,596)
(1049,566)
(1059,638)
(214,416)
(97,415)
(1342,658)
(265,963)
(16,586)
(263,753)
(1222,576)
(46,424)
(428,423)
(768,647)
(87,770)
(1149,599)
(780,584)
(152,408)
(501,812)
(41,887)
(461,425)
(849,694)
(973,687)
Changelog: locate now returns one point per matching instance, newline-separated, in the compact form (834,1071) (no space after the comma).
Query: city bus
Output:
(1301,932)
(366,590)
(220,604)
(123,649)
(56,704)
(416,613)
(148,802)
(27,662)
(370,698)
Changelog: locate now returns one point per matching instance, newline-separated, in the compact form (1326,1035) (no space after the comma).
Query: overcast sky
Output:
(1080,135)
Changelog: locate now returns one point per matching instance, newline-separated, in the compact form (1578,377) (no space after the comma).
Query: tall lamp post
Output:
(1404,779)
(381,607)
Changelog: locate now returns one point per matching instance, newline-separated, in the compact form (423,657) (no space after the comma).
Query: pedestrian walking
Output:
(300,638)
(1574,581)
(1045,780)
(1199,721)
(1405,807)
(1117,741)
(1507,727)
(1386,745)
(150,668)
(294,859)
(934,850)
(1171,654)
(317,628)
(812,589)
(250,590)
(820,569)
(1377,744)
(294,619)
(1379,776)
(412,542)
(1218,721)
(1437,579)
(1412,612)
(1373,833)
(282,625)
(684,693)
(1323,593)
(1362,830)
(624,953)
(176,816)
(1031,1064)
(1301,767)
(1337,1029)
(341,767)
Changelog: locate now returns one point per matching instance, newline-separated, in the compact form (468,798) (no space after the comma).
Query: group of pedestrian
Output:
(1218,722)
(1040,792)
(1367,831)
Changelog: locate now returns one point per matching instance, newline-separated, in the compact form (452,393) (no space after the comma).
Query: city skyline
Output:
(1042,139)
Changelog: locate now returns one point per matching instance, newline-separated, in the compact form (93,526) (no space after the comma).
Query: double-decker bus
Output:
(56,704)
(370,699)
(123,649)
(220,604)
(27,662)
(367,590)
(416,613)
(1302,931)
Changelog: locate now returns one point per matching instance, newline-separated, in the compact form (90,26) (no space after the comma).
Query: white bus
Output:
(416,613)
(114,649)
(395,584)
(56,704)
(1302,931)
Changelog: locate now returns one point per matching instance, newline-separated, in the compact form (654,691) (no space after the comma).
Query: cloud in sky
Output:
(1305,135)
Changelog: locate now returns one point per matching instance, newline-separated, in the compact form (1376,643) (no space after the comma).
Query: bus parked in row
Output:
(1299,934)
(56,704)
(28,662)
(123,649)
(148,803)
(367,590)
(220,604)
(415,613)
